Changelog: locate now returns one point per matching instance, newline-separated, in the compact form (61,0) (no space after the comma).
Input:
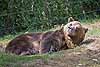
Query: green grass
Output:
(5,39)
(90,20)
(12,60)
(6,59)
(95,31)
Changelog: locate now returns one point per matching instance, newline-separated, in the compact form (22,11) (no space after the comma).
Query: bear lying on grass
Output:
(32,43)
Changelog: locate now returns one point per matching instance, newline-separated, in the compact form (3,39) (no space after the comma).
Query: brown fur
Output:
(25,43)
(77,31)
(56,41)
(53,42)
(33,43)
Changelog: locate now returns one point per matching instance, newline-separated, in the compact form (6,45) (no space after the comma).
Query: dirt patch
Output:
(93,25)
(85,55)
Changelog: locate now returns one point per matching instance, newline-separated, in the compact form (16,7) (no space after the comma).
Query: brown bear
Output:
(42,42)
(69,36)
(54,42)
(26,43)
(75,30)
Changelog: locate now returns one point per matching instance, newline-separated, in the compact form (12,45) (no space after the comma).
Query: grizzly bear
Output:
(54,42)
(42,42)
(69,36)
(75,30)
(26,43)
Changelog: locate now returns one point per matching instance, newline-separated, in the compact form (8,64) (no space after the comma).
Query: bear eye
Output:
(70,24)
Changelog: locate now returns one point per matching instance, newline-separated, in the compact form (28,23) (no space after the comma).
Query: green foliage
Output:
(26,15)
(11,60)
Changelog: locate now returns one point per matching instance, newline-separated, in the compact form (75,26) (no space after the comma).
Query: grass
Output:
(95,31)
(11,59)
(85,21)
(6,39)
(14,60)
(7,60)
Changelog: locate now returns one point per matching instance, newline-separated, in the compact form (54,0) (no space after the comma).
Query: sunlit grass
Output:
(95,31)
(6,39)
(15,60)
(12,60)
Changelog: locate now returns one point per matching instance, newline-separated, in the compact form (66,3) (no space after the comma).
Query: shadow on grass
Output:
(88,41)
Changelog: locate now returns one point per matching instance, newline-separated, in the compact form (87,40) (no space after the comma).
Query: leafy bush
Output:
(25,15)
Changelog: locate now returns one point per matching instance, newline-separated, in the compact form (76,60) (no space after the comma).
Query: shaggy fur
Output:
(32,43)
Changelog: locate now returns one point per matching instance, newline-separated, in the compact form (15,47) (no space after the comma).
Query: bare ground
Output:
(85,55)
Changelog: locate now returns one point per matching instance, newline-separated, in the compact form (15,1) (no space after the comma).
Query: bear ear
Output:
(70,19)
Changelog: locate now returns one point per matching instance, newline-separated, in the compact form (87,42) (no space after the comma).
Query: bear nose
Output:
(72,28)
(69,27)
